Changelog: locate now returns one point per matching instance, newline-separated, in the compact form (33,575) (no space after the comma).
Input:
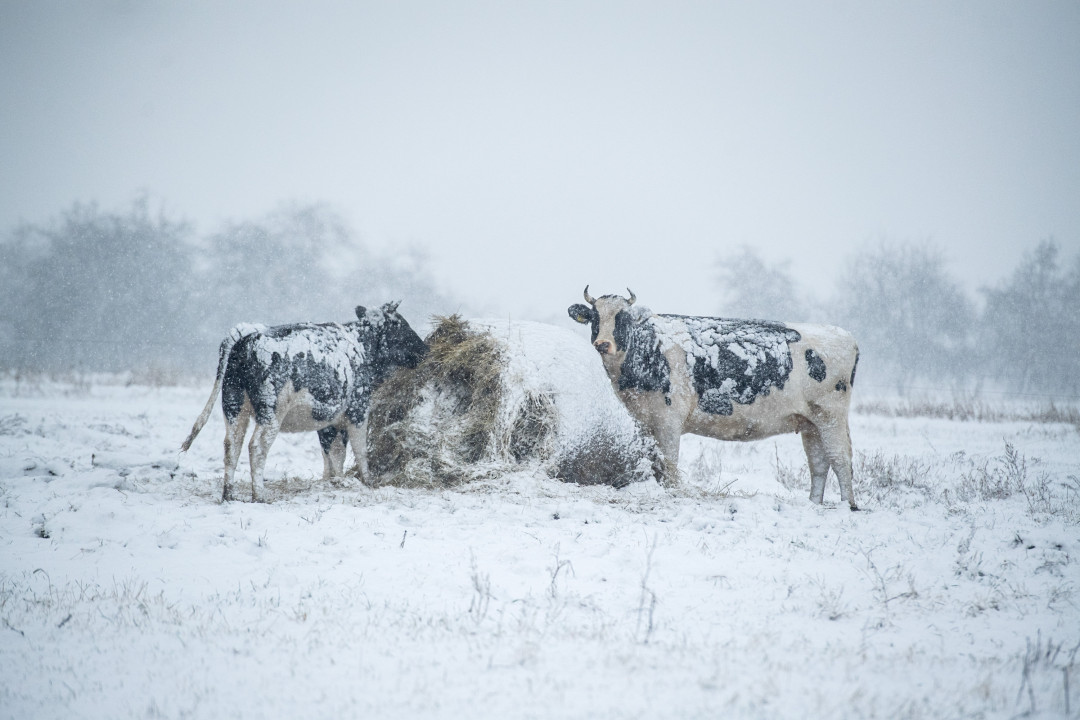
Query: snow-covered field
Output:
(128,590)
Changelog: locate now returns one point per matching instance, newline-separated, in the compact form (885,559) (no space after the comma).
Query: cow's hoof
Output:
(854,507)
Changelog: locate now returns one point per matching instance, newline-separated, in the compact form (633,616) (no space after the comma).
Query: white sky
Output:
(534,147)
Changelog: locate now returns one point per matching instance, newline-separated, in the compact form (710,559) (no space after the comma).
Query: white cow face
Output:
(610,319)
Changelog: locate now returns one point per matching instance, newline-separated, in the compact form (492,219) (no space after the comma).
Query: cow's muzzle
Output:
(603,348)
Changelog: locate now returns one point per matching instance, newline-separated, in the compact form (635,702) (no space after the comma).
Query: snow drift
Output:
(492,396)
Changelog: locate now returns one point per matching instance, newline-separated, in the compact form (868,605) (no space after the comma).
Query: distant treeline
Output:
(135,290)
(132,290)
(919,330)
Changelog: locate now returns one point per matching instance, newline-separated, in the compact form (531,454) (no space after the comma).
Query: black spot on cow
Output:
(585,314)
(328,435)
(815,365)
(852,381)
(644,367)
(736,361)
(841,385)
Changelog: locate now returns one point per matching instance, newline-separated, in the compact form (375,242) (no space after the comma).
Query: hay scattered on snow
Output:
(491,397)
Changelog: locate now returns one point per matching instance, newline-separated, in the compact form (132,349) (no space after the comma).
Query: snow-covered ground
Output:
(128,590)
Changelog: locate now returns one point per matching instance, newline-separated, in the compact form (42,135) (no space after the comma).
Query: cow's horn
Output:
(392,306)
(589,298)
(633,297)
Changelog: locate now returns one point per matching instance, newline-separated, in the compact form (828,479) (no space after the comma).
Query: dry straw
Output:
(460,416)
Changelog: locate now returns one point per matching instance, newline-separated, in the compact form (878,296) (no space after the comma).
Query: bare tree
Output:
(1030,329)
(95,290)
(127,290)
(303,262)
(910,317)
(751,288)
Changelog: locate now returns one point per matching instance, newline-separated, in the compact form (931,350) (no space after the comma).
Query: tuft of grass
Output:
(878,475)
(707,467)
(1049,668)
(793,478)
(605,458)
(1002,477)
(12,424)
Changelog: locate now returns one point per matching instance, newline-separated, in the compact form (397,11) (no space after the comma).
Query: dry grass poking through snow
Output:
(970,409)
(128,590)
(897,480)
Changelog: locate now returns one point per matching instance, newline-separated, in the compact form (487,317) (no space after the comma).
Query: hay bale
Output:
(492,397)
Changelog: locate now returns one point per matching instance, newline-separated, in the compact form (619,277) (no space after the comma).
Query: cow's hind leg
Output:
(258,448)
(333,441)
(235,429)
(837,441)
(817,459)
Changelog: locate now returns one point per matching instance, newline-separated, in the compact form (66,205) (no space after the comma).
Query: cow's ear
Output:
(361,311)
(580,313)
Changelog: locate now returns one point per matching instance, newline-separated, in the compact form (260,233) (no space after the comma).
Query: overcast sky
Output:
(534,147)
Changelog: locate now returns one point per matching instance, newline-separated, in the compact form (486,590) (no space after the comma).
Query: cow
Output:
(301,378)
(729,379)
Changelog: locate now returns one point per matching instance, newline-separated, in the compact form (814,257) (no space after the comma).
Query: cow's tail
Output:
(234,336)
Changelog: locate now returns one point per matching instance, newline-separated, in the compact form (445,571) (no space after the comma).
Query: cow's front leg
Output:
(358,440)
(333,441)
(667,439)
(258,448)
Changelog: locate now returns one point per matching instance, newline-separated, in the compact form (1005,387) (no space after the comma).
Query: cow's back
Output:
(319,362)
(749,379)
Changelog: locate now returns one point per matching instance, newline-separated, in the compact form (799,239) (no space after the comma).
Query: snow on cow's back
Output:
(333,345)
(754,342)
(543,358)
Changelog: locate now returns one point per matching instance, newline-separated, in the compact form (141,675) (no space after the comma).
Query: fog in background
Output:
(289,161)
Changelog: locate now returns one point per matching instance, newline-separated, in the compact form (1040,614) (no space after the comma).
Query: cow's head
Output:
(626,341)
(610,318)
(395,342)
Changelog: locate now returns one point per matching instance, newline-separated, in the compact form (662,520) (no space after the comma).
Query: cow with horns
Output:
(729,379)
(305,377)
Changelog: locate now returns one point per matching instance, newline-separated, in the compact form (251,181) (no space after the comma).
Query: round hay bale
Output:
(492,397)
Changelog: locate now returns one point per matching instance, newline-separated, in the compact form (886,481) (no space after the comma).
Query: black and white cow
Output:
(305,377)
(729,379)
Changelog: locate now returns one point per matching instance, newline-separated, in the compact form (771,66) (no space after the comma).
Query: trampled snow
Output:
(127,589)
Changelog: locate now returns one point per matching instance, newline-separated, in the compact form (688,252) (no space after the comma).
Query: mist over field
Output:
(137,291)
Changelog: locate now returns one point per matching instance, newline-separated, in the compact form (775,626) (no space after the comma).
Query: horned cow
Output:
(301,378)
(729,379)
